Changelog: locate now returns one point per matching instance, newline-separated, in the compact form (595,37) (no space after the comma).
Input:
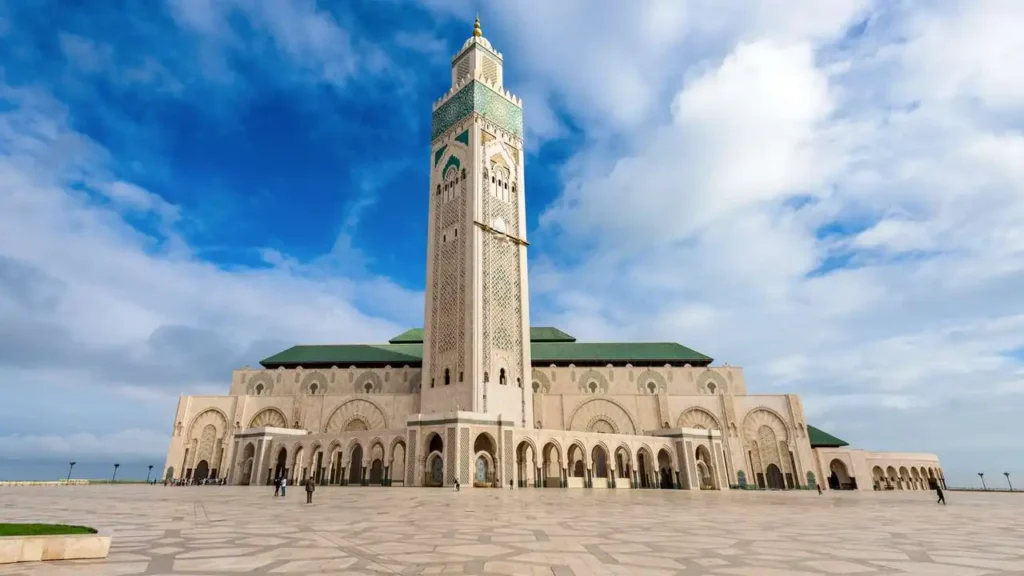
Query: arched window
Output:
(519,382)
(711,387)
(313,388)
(651,387)
(592,386)
(368,387)
(438,189)
(259,389)
(463,173)
(536,386)
(487,377)
(501,377)
(431,382)
(460,376)
(447,377)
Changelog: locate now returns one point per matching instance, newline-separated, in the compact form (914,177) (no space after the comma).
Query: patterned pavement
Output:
(225,530)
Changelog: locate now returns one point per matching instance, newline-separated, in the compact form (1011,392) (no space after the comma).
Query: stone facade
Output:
(473,407)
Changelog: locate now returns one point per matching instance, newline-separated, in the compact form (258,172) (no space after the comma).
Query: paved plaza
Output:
(220,530)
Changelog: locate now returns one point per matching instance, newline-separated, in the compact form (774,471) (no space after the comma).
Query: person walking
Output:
(284,485)
(942,498)
(277,486)
(456,484)
(310,486)
(819,489)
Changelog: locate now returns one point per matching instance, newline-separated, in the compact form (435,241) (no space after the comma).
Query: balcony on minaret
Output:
(477,60)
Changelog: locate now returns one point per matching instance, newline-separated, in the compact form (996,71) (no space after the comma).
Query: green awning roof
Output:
(542,352)
(821,439)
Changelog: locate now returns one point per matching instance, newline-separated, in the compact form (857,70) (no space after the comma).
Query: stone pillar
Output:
(365,479)
(386,480)
(344,475)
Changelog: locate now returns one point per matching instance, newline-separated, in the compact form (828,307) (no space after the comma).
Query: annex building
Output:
(481,397)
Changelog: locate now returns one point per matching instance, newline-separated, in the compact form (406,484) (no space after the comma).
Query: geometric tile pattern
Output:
(477,97)
(352,530)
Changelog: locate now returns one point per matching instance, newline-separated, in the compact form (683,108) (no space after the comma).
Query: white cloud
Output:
(120,445)
(906,131)
(91,297)
(310,38)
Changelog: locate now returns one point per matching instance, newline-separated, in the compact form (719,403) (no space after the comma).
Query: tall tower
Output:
(476,355)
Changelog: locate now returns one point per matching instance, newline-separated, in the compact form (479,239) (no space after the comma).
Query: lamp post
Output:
(1007,474)
(71,466)
(148,474)
(982,476)
(114,477)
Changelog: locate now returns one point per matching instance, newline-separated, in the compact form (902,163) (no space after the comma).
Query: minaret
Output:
(476,353)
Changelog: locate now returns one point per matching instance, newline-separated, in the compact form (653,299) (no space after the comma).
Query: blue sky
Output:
(829,195)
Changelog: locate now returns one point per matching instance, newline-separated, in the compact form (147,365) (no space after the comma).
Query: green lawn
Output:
(43,529)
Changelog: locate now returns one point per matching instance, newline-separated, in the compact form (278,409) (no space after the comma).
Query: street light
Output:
(71,466)
(982,476)
(114,477)
(1007,474)
(149,473)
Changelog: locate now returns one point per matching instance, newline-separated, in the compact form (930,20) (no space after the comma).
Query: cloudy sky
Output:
(829,194)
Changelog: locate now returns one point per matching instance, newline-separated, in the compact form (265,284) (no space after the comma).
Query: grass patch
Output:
(43,530)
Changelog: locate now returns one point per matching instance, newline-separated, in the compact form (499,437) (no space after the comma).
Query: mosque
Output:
(480,397)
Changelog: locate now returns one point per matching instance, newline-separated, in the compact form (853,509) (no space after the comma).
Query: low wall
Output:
(64,547)
(72,482)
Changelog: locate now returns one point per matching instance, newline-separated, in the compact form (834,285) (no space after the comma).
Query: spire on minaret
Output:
(477,32)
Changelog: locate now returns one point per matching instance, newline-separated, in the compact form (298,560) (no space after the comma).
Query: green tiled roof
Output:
(549,334)
(821,439)
(542,352)
(537,334)
(555,352)
(410,336)
(345,355)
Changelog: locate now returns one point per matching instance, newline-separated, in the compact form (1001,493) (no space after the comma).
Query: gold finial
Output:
(477,32)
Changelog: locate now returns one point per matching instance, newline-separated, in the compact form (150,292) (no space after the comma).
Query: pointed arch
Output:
(611,410)
(698,417)
(762,416)
(361,410)
(270,418)
(210,416)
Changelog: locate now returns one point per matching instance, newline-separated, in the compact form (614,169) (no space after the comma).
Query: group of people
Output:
(194,482)
(281,487)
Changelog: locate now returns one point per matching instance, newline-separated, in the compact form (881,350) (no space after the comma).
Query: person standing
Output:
(310,486)
(284,485)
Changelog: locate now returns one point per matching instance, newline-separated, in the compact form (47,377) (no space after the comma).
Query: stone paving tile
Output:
(379,531)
